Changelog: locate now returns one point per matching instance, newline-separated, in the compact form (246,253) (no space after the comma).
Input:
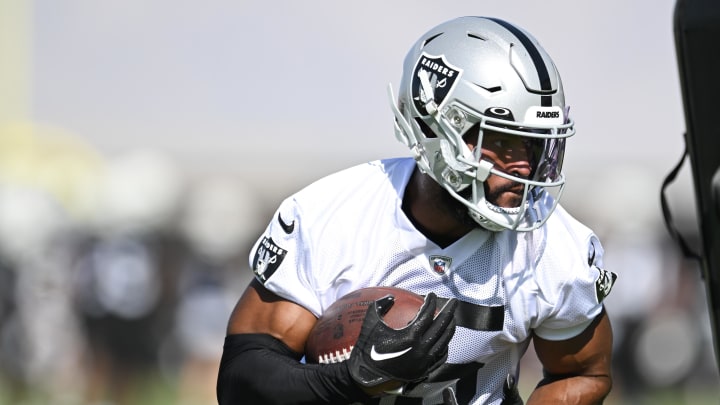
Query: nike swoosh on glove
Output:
(384,354)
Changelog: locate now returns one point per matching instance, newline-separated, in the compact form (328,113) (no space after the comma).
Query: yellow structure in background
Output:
(52,161)
(43,158)
(15,60)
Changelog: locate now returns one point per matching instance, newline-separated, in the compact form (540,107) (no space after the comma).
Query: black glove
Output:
(449,396)
(384,354)
(511,395)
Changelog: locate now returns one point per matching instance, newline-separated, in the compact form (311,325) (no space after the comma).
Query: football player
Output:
(471,221)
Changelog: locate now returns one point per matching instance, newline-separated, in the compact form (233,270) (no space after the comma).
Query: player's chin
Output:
(506,199)
(504,193)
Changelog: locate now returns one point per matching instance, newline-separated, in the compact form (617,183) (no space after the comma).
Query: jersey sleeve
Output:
(279,259)
(576,295)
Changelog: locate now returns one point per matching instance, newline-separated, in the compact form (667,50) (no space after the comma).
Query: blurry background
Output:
(145,144)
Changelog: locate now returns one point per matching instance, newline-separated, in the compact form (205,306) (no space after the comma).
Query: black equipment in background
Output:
(697,43)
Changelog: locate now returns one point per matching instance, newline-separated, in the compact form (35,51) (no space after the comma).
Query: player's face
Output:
(509,154)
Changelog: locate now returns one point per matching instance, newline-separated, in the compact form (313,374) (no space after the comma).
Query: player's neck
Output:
(428,209)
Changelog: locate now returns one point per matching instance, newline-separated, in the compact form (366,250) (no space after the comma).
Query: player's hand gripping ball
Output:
(389,336)
(334,335)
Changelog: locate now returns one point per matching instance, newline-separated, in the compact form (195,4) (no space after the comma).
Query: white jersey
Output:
(348,231)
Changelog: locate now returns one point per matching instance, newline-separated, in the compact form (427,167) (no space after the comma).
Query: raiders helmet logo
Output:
(441,77)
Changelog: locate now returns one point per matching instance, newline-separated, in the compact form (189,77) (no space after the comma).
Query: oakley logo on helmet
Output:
(500,112)
(442,76)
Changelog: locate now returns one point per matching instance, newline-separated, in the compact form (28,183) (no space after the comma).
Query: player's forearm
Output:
(257,369)
(580,390)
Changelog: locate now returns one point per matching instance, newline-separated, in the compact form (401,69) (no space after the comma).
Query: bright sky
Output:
(282,92)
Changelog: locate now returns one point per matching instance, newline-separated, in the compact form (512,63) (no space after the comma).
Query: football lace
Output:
(337,357)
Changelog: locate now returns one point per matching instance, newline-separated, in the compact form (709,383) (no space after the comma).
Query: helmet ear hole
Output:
(425,128)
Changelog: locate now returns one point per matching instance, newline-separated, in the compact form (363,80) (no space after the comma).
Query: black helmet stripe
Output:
(542,71)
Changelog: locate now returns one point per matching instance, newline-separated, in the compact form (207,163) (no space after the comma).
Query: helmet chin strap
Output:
(485,223)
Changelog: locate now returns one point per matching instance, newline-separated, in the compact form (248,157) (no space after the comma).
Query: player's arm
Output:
(267,335)
(577,370)
(260,364)
(261,311)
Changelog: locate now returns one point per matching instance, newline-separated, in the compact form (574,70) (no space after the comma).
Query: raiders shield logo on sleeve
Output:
(268,257)
(604,283)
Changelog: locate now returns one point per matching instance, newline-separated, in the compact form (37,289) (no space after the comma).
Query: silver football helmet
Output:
(472,75)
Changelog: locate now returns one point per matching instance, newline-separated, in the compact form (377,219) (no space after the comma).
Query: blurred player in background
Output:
(466,222)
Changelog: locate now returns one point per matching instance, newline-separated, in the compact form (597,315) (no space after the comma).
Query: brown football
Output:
(334,335)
